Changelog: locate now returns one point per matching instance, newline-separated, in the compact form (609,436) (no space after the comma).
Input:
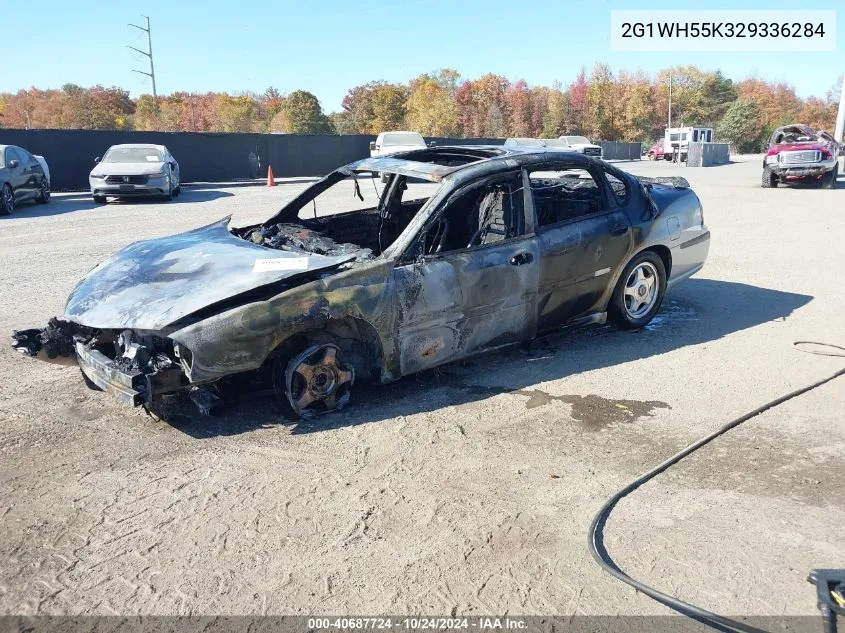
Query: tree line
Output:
(600,104)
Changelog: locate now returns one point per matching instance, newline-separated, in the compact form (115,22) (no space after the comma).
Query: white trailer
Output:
(677,139)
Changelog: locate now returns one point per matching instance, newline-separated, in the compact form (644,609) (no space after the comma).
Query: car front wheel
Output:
(100,199)
(829,179)
(639,292)
(7,200)
(769,179)
(315,381)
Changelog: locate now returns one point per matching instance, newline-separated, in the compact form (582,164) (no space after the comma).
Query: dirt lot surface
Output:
(467,490)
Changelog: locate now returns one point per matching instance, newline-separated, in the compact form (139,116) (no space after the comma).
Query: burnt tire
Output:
(7,200)
(769,179)
(43,192)
(639,292)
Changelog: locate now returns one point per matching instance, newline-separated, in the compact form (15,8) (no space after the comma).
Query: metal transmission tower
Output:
(148,53)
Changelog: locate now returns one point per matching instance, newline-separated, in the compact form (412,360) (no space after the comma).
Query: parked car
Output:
(582,145)
(798,152)
(21,179)
(43,162)
(551,143)
(508,243)
(388,143)
(135,169)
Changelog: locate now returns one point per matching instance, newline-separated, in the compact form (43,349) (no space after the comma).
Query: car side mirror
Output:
(97,160)
(13,163)
(372,145)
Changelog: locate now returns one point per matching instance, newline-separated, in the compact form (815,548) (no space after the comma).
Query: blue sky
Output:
(328,46)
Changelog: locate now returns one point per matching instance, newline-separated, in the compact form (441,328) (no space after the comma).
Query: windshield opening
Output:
(133,155)
(578,140)
(348,213)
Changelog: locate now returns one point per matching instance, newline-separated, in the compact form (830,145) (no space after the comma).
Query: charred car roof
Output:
(434,164)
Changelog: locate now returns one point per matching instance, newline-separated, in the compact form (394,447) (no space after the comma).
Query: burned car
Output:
(465,249)
(799,153)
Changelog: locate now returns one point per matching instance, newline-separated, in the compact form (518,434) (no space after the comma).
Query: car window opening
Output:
(483,215)
(560,196)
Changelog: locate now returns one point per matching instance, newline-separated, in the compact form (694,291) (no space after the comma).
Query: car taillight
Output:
(772,152)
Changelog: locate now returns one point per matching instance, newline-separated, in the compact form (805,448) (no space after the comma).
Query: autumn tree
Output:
(481,106)
(375,107)
(602,102)
(518,110)
(430,108)
(636,117)
(556,113)
(578,121)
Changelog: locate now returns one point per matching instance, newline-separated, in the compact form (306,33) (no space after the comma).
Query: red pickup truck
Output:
(658,153)
(799,153)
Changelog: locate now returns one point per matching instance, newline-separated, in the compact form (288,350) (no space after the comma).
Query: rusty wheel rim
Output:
(317,381)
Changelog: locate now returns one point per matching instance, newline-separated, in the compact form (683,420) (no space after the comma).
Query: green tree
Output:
(740,126)
(303,114)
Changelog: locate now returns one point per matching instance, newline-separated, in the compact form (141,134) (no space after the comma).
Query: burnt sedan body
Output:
(502,244)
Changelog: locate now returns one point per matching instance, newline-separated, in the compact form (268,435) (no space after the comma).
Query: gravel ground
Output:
(467,490)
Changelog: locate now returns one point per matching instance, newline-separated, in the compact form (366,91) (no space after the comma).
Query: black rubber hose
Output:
(595,537)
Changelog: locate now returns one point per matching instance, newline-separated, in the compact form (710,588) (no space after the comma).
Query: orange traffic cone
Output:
(271,182)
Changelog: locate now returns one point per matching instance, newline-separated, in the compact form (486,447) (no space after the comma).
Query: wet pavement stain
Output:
(596,413)
(591,411)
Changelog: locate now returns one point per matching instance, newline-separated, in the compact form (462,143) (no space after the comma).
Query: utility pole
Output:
(840,117)
(148,53)
(670,99)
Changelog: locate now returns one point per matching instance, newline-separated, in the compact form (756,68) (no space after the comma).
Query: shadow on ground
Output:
(68,203)
(698,311)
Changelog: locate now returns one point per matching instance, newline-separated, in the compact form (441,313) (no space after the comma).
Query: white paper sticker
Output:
(153,159)
(281,263)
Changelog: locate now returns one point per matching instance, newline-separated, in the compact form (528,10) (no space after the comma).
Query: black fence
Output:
(619,150)
(202,156)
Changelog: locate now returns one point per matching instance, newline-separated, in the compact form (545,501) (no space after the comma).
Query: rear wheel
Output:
(639,292)
(651,156)
(43,192)
(7,200)
(314,382)
(769,178)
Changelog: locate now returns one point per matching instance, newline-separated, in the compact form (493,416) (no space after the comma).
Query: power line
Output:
(148,53)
